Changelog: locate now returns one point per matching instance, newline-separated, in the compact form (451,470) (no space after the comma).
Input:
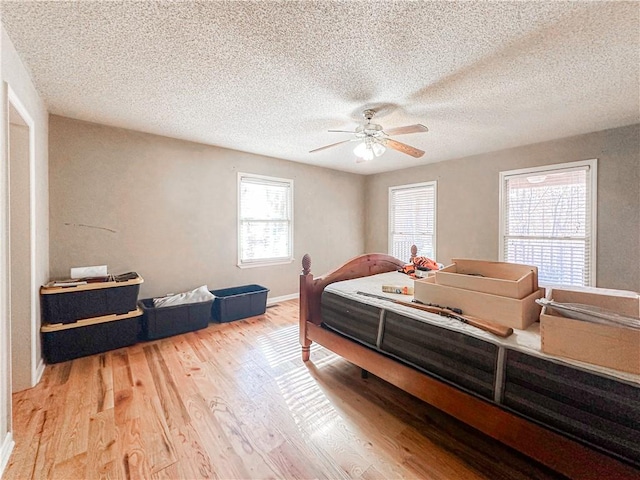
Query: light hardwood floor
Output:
(236,401)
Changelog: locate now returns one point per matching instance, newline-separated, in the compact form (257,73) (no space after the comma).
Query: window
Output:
(265,220)
(548,219)
(412,220)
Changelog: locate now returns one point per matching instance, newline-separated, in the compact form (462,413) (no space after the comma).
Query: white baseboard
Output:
(39,371)
(283,298)
(5,451)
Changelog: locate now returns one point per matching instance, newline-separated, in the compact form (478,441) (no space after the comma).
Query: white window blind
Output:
(265,220)
(548,220)
(412,220)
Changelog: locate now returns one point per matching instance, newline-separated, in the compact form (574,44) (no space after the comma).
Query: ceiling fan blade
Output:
(417,128)
(329,146)
(404,148)
(341,131)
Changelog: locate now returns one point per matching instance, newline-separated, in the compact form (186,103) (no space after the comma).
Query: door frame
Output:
(37,364)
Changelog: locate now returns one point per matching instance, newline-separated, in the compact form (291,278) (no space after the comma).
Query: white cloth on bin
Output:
(200,294)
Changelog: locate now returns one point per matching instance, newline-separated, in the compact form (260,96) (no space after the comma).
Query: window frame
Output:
(272,261)
(391,214)
(592,166)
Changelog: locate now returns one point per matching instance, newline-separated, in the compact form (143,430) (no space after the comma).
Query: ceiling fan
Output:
(374,140)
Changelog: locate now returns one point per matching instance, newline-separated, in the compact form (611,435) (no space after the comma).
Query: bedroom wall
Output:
(20,254)
(14,75)
(167,209)
(468,205)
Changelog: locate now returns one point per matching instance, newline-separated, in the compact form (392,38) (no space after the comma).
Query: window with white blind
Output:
(265,220)
(412,220)
(548,219)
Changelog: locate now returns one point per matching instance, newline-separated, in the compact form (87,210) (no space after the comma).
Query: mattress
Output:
(595,405)
(598,410)
(464,361)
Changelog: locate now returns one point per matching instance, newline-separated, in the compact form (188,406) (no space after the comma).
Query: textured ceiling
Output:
(272,77)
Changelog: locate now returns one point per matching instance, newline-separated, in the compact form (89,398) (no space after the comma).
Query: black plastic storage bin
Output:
(167,321)
(70,304)
(239,302)
(66,341)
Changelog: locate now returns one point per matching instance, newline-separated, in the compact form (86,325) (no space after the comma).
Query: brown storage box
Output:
(511,280)
(605,345)
(511,312)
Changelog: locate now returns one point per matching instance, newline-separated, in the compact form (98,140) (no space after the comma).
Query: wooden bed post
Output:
(414,253)
(306,280)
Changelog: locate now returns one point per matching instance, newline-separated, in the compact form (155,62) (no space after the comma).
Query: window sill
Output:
(266,263)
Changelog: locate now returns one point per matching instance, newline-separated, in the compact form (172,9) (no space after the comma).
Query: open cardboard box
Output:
(609,346)
(496,278)
(511,312)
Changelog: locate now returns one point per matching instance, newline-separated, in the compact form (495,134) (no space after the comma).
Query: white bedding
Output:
(197,295)
(526,341)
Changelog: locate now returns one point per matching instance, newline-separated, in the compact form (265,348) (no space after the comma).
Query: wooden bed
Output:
(554,450)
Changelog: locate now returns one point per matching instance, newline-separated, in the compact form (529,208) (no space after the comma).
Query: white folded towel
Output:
(200,294)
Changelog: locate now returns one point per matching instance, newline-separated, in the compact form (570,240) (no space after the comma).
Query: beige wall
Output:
(14,75)
(20,255)
(468,190)
(167,209)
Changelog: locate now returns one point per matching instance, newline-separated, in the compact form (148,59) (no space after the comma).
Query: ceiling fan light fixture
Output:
(378,149)
(364,151)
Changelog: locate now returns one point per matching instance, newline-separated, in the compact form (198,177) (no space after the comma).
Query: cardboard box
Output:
(511,312)
(604,345)
(511,280)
